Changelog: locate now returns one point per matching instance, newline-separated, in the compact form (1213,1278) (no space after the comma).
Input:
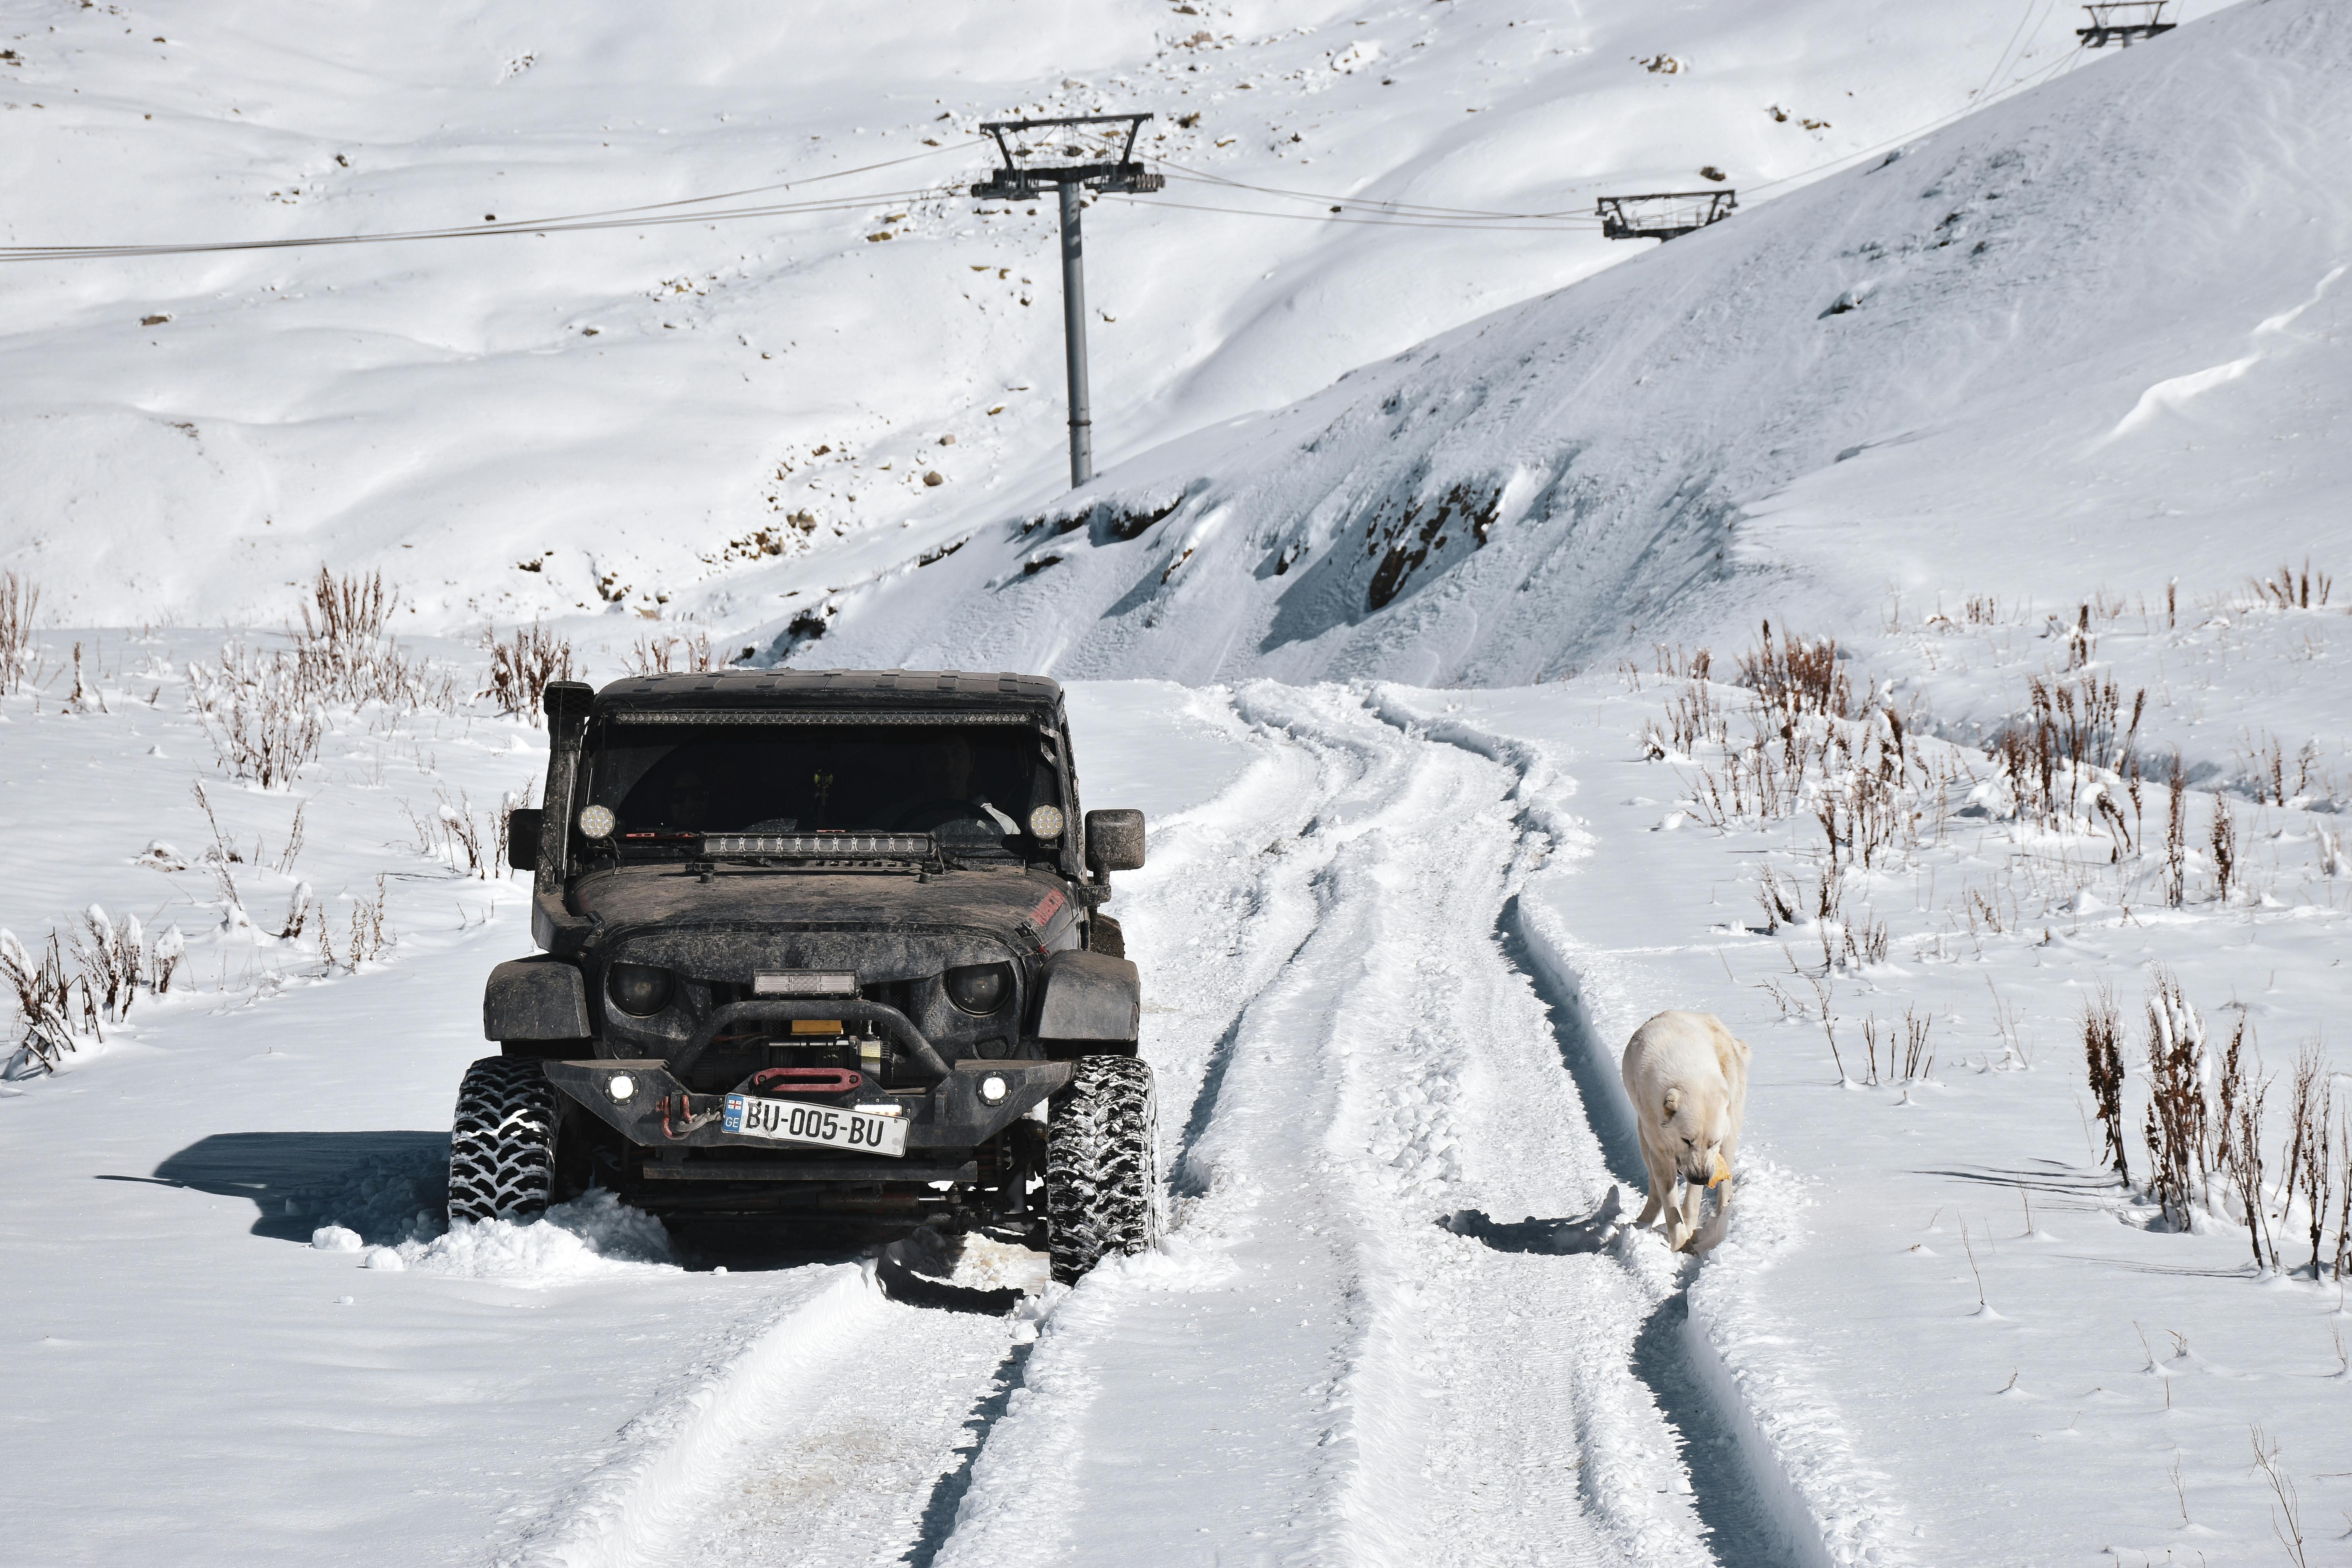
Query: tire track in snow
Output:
(1774,1478)
(1310,1370)
(845,1427)
(643,1503)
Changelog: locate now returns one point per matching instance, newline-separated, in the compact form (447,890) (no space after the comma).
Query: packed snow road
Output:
(1309,1369)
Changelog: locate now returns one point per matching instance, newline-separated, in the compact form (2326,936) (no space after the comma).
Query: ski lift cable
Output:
(2015,33)
(2066,61)
(298,242)
(1416,209)
(566,222)
(1401,221)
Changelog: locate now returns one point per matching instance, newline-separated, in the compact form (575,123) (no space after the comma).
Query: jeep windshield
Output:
(972,785)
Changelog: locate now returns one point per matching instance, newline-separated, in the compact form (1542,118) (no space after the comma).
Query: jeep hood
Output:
(875,923)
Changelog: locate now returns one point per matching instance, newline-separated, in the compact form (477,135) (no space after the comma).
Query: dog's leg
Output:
(1662,1188)
(1713,1232)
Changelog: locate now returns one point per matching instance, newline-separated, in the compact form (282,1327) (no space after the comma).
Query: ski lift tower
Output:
(1662,214)
(1019,182)
(2121,21)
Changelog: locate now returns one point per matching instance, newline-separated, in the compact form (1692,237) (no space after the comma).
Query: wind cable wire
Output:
(582,225)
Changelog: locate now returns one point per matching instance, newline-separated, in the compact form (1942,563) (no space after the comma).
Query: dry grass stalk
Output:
(686,653)
(2177,1129)
(2223,842)
(2287,1516)
(345,654)
(1918,1059)
(2103,1051)
(257,712)
(111,964)
(2074,733)
(53,1009)
(522,667)
(20,601)
(2176,834)
(1797,675)
(2309,1112)
(2288,590)
(1677,665)
(2238,1141)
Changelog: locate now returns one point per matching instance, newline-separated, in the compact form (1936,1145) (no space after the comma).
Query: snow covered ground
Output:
(2035,402)
(1393,937)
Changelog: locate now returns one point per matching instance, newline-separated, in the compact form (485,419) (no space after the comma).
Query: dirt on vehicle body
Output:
(819,942)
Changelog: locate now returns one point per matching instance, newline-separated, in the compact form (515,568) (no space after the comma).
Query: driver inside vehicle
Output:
(964,792)
(689,800)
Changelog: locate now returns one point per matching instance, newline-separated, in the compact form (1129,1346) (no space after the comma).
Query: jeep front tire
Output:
(503,1141)
(1102,1171)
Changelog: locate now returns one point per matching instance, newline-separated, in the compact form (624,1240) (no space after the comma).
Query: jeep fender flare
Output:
(536,998)
(1089,996)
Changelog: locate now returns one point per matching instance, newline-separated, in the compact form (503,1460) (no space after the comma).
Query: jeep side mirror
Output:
(1115,840)
(522,838)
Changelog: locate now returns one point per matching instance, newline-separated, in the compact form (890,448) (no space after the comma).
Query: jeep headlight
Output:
(1045,823)
(980,988)
(640,990)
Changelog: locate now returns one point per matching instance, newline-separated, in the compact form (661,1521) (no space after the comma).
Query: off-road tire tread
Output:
(1102,1171)
(502,1140)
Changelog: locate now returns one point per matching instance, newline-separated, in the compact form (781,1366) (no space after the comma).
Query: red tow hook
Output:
(806,1080)
(687,1113)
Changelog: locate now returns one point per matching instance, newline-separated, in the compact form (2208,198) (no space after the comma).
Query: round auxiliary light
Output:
(620,1086)
(992,1089)
(1045,823)
(597,821)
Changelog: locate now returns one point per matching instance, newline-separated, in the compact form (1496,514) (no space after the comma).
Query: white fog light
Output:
(1045,823)
(992,1090)
(597,822)
(620,1086)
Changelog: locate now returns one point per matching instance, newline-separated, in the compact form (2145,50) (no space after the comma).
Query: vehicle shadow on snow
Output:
(376,1183)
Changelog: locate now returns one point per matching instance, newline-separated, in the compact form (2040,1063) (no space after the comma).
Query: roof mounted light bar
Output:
(817,716)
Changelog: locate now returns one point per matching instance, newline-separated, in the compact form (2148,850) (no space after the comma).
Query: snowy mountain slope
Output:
(2092,333)
(439,409)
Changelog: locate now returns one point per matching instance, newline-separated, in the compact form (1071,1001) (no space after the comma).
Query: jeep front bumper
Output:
(952,1115)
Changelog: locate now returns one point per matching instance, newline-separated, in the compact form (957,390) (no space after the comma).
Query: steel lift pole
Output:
(1073,334)
(1015,183)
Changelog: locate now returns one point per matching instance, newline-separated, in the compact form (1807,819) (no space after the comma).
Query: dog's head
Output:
(1697,1122)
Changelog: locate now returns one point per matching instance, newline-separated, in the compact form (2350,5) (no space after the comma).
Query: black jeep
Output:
(818,942)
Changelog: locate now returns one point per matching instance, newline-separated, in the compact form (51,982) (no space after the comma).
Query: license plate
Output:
(830,1126)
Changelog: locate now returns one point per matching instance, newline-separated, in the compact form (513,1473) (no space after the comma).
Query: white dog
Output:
(1687,1079)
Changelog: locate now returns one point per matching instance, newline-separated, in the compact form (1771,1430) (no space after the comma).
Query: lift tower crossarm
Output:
(1015,183)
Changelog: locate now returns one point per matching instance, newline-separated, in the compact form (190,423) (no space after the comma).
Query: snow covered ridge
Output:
(694,417)
(1976,365)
